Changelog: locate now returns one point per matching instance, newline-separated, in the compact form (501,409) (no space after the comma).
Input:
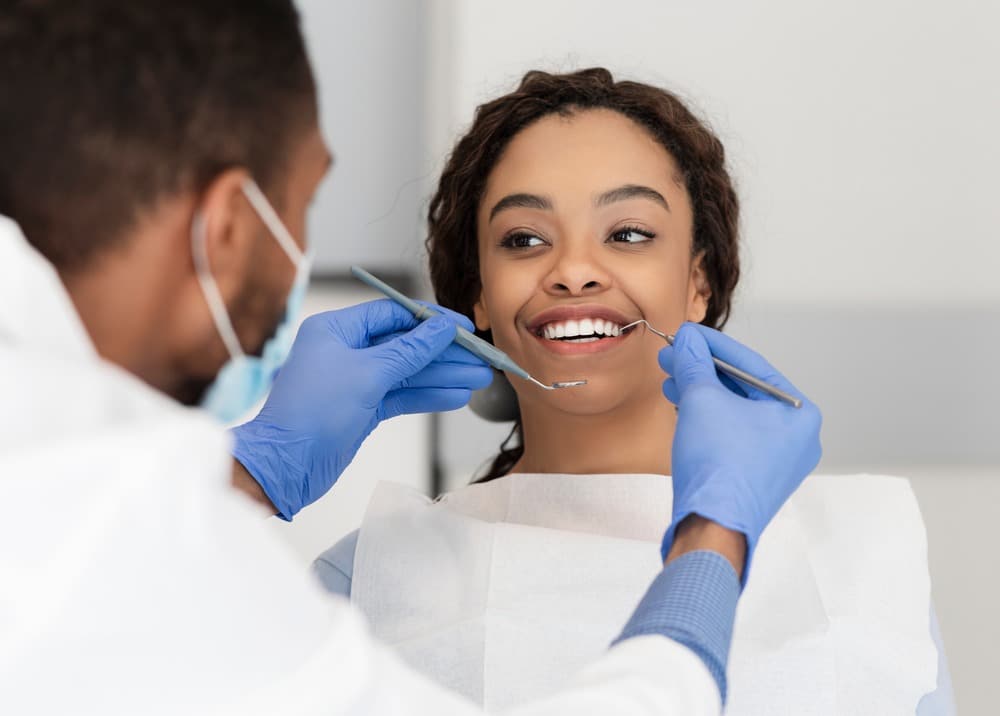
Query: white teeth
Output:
(584,328)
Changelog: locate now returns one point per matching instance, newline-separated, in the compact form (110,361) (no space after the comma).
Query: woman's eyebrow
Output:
(522,201)
(631,191)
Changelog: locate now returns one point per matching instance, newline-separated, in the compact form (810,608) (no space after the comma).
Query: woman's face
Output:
(585,226)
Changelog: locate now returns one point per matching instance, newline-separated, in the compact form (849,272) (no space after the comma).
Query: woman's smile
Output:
(579,329)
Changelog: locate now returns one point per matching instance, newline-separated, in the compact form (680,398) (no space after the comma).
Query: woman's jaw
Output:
(605,432)
(619,422)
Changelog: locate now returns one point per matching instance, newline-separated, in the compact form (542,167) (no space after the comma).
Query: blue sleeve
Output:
(692,601)
(941,701)
(335,567)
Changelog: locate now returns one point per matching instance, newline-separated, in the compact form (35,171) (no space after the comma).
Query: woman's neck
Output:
(634,438)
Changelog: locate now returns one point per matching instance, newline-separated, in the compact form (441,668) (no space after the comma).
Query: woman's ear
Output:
(479,314)
(699,290)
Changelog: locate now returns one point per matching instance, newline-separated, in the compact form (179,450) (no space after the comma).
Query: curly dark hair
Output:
(452,243)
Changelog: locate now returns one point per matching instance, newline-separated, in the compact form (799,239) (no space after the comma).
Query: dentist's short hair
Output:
(108,106)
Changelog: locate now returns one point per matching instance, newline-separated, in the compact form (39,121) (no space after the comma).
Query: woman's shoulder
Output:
(867,535)
(335,567)
(874,513)
(859,495)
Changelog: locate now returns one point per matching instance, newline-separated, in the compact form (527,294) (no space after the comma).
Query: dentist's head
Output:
(162,157)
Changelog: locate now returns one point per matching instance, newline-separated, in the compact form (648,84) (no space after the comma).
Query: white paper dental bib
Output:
(503,591)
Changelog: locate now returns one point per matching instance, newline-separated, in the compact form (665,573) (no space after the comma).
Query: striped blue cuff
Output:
(693,602)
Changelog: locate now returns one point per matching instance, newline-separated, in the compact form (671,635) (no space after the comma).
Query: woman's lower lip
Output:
(574,348)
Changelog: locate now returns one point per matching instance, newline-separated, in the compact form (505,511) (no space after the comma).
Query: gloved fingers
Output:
(410,353)
(671,391)
(441,374)
(665,357)
(452,354)
(741,389)
(689,360)
(406,401)
(673,394)
(455,316)
(365,324)
(736,354)
(357,326)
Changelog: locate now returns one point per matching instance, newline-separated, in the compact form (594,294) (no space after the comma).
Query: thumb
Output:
(410,353)
(692,360)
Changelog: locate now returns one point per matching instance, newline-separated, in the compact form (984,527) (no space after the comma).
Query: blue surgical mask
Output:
(246,379)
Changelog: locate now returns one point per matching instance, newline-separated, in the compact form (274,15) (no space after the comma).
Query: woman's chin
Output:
(600,395)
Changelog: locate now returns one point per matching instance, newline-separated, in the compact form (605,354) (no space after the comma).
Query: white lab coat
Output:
(134,580)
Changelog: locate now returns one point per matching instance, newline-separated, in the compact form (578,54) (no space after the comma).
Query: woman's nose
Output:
(576,273)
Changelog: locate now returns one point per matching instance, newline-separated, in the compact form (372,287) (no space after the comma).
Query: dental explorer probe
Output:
(472,343)
(730,370)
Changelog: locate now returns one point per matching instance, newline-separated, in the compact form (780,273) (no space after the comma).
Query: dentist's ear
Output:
(230,231)
(699,290)
(219,222)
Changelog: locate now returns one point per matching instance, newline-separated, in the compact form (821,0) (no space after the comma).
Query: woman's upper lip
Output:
(575,313)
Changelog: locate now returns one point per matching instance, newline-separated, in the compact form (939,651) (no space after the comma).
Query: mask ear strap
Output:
(216,306)
(271,219)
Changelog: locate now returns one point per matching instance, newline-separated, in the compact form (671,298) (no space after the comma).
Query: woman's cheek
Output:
(502,319)
(665,308)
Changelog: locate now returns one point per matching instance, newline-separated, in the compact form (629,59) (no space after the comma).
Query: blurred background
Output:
(865,140)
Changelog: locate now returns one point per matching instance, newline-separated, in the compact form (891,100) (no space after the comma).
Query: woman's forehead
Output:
(584,153)
(576,158)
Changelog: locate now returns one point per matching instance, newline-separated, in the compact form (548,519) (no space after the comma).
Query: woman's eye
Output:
(631,235)
(521,241)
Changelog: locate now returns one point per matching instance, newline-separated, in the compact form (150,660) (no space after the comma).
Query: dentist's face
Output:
(585,225)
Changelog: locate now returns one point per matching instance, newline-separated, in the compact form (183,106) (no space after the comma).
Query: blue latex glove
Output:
(738,453)
(347,371)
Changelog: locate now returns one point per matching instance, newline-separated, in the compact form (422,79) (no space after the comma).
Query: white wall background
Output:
(863,134)
(865,139)
(369,61)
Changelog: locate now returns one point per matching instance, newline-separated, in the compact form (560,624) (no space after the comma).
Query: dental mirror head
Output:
(558,384)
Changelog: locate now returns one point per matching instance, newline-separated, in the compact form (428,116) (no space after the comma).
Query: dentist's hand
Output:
(349,370)
(738,453)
